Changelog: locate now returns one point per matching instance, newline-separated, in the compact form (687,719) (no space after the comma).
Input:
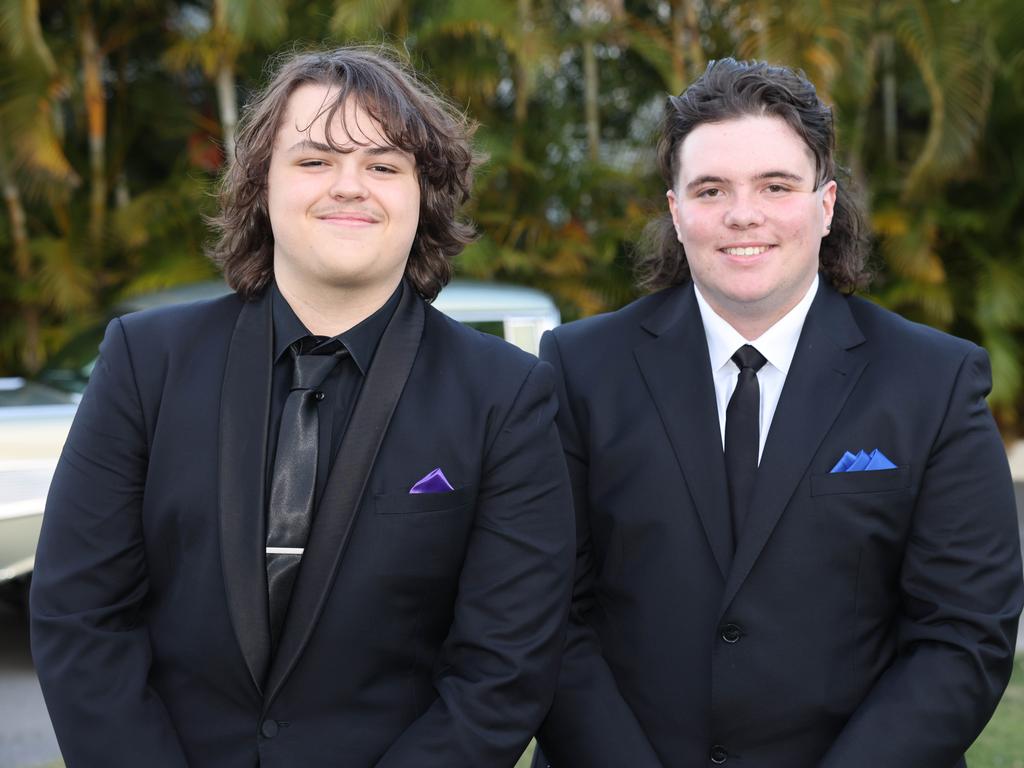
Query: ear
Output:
(673,209)
(828,205)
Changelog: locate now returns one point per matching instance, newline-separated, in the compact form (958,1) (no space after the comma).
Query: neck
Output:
(752,319)
(328,310)
(753,327)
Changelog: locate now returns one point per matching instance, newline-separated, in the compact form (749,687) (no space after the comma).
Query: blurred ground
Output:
(26,738)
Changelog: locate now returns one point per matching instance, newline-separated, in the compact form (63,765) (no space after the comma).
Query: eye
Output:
(311,163)
(379,168)
(710,192)
(777,188)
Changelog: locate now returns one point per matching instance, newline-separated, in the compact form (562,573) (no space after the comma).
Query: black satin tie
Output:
(742,435)
(294,481)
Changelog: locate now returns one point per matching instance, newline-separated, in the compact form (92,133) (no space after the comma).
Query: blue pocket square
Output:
(433,482)
(863,462)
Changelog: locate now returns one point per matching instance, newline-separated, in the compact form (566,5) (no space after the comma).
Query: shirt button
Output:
(731,633)
(319,395)
(269,728)
(718,754)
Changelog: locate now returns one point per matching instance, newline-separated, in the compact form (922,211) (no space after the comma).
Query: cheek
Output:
(406,209)
(696,230)
(796,227)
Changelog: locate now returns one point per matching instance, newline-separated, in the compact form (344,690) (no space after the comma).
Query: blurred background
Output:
(116,117)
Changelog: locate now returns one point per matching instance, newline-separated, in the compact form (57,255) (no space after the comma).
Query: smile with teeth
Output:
(754,250)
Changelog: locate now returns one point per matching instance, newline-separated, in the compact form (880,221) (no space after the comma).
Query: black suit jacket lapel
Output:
(241,486)
(346,484)
(677,370)
(826,366)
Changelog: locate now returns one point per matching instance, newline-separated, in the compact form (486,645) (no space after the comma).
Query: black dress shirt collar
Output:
(360,340)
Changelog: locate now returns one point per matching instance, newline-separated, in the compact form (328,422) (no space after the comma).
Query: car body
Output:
(35,416)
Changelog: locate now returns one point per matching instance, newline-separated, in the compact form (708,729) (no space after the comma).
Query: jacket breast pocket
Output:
(412,503)
(872,481)
(421,540)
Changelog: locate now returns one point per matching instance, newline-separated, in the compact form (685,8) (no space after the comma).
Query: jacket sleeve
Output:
(961,597)
(90,642)
(497,668)
(590,724)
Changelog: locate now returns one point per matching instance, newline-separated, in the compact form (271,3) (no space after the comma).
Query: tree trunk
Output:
(224,80)
(889,120)
(590,91)
(522,76)
(227,101)
(763,13)
(697,60)
(677,24)
(855,144)
(591,88)
(31,349)
(96,118)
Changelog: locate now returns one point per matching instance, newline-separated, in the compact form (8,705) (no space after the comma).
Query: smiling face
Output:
(342,220)
(747,213)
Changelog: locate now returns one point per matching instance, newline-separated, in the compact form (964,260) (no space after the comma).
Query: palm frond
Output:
(256,21)
(363,19)
(953,53)
(64,281)
(22,35)
(1006,354)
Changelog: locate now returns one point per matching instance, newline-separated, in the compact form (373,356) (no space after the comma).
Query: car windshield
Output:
(515,313)
(15,392)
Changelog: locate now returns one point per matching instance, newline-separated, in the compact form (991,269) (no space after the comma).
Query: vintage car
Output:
(35,415)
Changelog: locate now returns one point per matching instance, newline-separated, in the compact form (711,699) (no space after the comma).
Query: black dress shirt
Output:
(341,387)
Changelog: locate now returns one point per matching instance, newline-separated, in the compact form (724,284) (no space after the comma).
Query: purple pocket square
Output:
(433,482)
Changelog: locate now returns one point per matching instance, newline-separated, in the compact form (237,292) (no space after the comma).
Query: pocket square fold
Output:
(863,462)
(433,482)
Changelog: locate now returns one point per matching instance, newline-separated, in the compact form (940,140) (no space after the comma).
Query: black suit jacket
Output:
(864,620)
(424,630)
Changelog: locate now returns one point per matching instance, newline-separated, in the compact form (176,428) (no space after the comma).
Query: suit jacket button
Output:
(269,728)
(731,633)
(319,395)
(718,754)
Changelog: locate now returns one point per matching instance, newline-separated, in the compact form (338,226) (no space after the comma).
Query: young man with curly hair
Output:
(314,522)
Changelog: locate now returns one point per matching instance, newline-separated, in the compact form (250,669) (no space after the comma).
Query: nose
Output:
(744,212)
(348,182)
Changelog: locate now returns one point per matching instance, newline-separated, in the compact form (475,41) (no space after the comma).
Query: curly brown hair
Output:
(729,90)
(412,115)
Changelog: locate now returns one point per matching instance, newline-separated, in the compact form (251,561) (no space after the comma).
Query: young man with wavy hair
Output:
(797,534)
(314,522)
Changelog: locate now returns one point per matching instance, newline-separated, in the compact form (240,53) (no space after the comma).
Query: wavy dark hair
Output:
(731,89)
(413,116)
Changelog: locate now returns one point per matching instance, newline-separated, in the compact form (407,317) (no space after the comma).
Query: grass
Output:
(1000,746)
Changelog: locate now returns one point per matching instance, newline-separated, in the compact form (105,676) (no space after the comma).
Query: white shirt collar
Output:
(777,344)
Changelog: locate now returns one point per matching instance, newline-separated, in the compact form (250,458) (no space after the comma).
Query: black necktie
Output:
(742,435)
(294,481)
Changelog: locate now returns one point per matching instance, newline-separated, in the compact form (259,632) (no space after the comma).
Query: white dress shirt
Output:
(777,344)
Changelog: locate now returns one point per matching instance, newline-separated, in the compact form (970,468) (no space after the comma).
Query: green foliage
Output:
(928,98)
(1001,745)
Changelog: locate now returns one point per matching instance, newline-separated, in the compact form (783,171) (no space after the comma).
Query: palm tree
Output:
(232,27)
(31,158)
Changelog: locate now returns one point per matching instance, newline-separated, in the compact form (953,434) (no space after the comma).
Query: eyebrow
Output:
(773,174)
(318,146)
